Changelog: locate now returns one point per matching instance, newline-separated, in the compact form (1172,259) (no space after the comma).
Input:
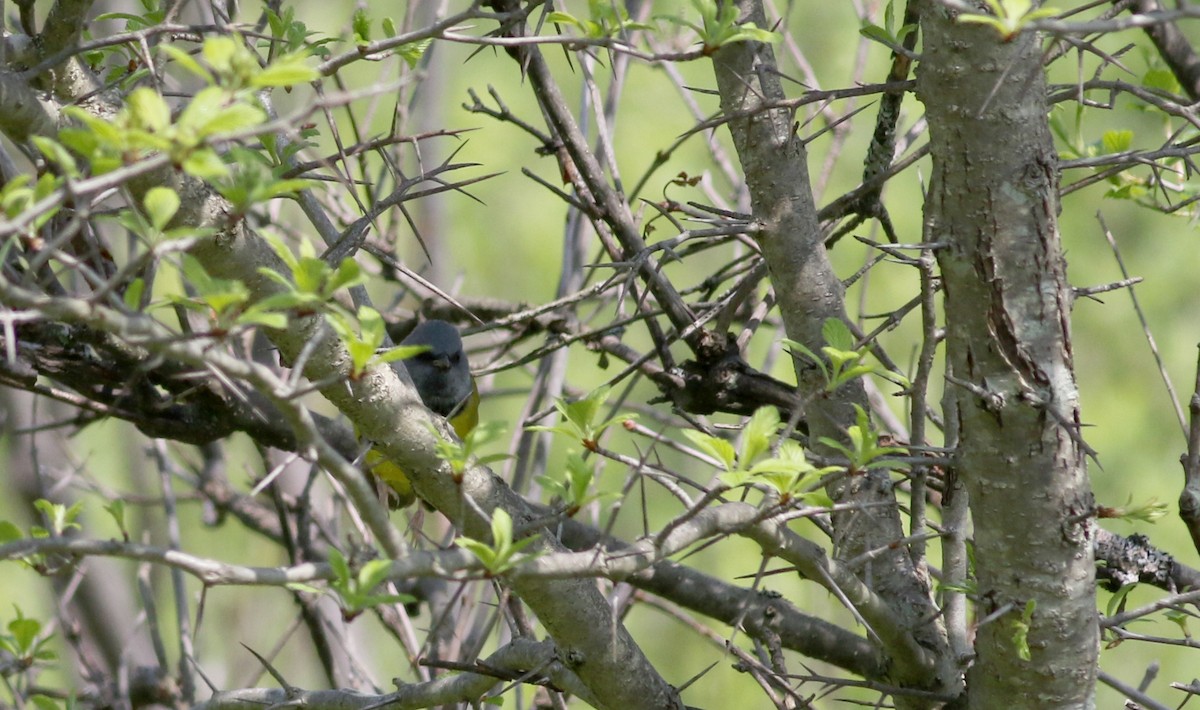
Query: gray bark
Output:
(993,201)
(809,292)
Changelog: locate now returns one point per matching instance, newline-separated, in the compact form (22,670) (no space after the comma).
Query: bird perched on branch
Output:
(443,378)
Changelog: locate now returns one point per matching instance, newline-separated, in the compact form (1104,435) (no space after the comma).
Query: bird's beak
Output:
(442,363)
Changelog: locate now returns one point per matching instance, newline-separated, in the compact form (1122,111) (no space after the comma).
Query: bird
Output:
(443,379)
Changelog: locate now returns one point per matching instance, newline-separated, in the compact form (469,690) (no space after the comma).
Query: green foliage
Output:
(291,36)
(143,127)
(574,489)
(57,154)
(502,554)
(17,198)
(1147,512)
(59,518)
(1180,619)
(580,418)
(355,590)
(788,472)
(1154,193)
(25,650)
(159,206)
(25,642)
(1117,601)
(460,454)
(252,178)
(1160,78)
(44,702)
(605,19)
(117,510)
(9,532)
(310,282)
(226,302)
(363,342)
(1009,17)
(719,26)
(153,13)
(888,35)
(225,106)
(132,297)
(968,585)
(236,68)
(1125,184)
(412,52)
(1020,630)
(864,450)
(360,25)
(1117,141)
(845,362)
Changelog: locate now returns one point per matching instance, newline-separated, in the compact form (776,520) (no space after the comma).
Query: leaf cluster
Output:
(786,469)
(842,361)
(581,419)
(503,553)
(355,590)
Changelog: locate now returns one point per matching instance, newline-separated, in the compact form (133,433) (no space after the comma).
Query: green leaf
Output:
(759,431)
(373,574)
(60,517)
(837,334)
(502,526)
(219,53)
(341,570)
(148,110)
(257,316)
(1117,141)
(580,418)
(501,555)
(563,18)
(574,488)
(361,26)
(1117,599)
(715,447)
(133,294)
(205,164)
(24,633)
(1009,17)
(1162,79)
(161,204)
(9,532)
(57,154)
(188,62)
(44,702)
(412,52)
(877,33)
(808,355)
(117,510)
(1021,628)
(286,71)
(236,117)
(347,274)
(401,352)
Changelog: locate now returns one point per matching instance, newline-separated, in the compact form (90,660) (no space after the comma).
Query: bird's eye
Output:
(456,357)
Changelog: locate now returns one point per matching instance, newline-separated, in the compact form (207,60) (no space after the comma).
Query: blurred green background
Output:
(507,244)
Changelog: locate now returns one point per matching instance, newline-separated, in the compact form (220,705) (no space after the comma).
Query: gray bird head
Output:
(441,373)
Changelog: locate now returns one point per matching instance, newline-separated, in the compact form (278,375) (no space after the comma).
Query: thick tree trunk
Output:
(993,200)
(809,292)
